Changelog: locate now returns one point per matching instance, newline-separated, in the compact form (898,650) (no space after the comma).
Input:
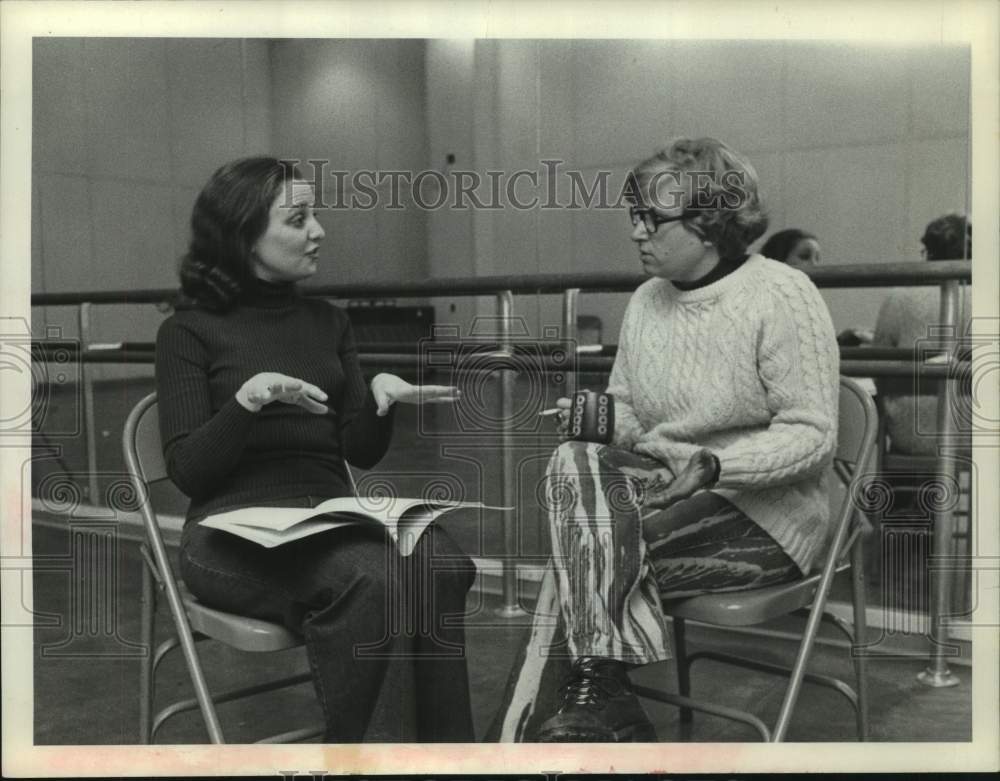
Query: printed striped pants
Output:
(612,564)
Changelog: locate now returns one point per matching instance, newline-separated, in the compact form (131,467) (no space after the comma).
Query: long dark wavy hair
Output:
(731,215)
(229,216)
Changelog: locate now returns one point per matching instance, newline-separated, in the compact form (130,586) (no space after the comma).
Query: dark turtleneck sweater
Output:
(222,455)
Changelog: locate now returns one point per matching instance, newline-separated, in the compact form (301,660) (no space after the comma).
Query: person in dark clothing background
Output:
(262,402)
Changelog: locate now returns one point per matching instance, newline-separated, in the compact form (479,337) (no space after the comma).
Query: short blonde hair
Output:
(718,191)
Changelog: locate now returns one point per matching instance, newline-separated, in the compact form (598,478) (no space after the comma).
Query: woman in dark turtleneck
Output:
(261,402)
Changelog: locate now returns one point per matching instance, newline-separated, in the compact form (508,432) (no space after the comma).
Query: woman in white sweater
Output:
(725,388)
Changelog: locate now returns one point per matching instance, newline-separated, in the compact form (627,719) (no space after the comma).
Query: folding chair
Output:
(193,621)
(806,597)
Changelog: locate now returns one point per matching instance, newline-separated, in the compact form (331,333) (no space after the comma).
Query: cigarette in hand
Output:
(552,411)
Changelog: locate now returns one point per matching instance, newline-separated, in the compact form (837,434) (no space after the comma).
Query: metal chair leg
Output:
(683,675)
(181,626)
(805,651)
(860,636)
(795,680)
(202,695)
(147,632)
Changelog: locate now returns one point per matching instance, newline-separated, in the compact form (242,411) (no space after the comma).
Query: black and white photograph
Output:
(405,387)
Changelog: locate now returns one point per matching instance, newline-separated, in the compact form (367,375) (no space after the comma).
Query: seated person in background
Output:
(855,337)
(907,317)
(262,402)
(725,388)
(800,249)
(792,246)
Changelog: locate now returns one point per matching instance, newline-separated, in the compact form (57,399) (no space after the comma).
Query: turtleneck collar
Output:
(723,268)
(270,295)
(707,292)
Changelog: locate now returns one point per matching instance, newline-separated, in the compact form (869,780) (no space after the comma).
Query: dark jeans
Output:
(357,603)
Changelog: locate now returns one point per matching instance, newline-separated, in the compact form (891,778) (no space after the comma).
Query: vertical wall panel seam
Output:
(538,157)
(783,156)
(909,145)
(375,63)
(577,157)
(90,179)
(967,139)
(244,98)
(428,153)
(36,205)
(174,186)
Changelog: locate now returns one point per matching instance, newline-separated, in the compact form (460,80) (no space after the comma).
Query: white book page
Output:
(283,518)
(385,510)
(270,526)
(270,539)
(273,518)
(407,530)
(391,511)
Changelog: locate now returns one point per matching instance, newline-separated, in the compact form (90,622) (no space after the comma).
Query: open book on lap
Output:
(404,519)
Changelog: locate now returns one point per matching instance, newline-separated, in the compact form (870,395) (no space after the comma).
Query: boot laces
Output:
(585,686)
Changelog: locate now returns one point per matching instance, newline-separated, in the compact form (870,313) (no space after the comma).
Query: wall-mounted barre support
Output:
(87,382)
(509,606)
(570,335)
(938,673)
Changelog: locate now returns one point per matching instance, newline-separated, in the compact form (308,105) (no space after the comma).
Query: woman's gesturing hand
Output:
(388,389)
(263,388)
(702,471)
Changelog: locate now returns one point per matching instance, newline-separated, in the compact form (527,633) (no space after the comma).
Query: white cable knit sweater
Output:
(748,367)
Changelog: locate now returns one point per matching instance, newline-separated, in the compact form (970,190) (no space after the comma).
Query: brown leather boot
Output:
(598,706)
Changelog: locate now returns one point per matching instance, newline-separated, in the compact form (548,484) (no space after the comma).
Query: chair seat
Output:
(744,608)
(246,634)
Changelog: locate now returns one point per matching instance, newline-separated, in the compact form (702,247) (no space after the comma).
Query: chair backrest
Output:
(143,453)
(857,425)
(142,436)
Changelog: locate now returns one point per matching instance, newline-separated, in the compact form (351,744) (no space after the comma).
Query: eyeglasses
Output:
(650,219)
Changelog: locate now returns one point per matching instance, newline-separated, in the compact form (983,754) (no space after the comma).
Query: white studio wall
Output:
(360,105)
(125,132)
(860,144)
